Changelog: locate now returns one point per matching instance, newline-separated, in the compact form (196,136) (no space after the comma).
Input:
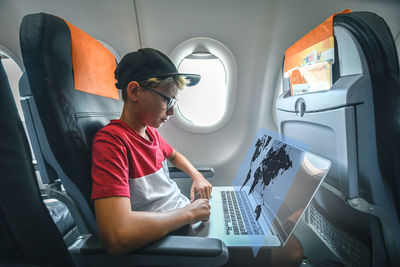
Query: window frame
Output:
(216,48)
(20,111)
(19,64)
(11,55)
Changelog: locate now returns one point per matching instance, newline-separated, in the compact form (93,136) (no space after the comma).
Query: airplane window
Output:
(205,103)
(206,107)
(14,73)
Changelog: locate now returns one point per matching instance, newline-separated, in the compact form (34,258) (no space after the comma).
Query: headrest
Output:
(313,53)
(93,65)
(320,33)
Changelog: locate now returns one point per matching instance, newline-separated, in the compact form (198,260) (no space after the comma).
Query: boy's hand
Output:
(199,210)
(200,186)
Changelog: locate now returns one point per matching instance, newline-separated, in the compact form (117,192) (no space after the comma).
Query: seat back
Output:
(356,125)
(71,95)
(27,232)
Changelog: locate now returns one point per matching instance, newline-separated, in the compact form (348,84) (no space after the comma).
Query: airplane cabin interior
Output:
(323,76)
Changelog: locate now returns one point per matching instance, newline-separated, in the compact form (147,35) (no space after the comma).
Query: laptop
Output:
(274,185)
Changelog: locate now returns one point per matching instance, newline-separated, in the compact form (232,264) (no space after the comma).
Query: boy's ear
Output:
(133,91)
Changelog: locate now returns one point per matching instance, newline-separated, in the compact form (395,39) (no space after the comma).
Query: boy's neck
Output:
(133,123)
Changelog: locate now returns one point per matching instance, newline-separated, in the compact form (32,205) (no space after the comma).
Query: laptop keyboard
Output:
(238,216)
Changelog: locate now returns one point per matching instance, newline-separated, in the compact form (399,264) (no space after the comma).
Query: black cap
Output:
(147,63)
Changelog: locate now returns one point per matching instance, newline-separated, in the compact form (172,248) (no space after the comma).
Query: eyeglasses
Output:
(171,102)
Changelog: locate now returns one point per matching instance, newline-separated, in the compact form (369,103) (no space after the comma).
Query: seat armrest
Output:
(169,245)
(174,172)
(181,250)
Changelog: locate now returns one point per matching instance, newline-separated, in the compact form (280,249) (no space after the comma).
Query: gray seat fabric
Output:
(28,234)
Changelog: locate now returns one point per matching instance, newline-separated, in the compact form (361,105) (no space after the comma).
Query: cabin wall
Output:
(244,27)
(113,22)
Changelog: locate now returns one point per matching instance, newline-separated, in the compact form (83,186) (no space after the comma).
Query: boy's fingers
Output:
(206,202)
(191,195)
(208,192)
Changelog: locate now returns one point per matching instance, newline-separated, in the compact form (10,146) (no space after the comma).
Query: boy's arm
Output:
(122,230)
(200,184)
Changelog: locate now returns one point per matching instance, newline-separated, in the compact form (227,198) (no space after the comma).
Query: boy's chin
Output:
(156,124)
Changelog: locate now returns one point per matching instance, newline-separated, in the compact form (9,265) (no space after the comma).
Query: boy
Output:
(135,201)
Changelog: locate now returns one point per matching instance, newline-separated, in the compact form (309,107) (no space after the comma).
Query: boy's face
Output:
(153,107)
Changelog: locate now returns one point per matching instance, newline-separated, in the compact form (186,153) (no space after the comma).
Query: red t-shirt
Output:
(126,164)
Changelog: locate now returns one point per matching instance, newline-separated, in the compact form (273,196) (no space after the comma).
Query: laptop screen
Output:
(282,178)
(309,176)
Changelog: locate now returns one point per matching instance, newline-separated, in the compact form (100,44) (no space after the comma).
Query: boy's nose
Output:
(171,111)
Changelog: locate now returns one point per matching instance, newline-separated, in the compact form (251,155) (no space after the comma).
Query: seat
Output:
(27,232)
(70,94)
(355,124)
